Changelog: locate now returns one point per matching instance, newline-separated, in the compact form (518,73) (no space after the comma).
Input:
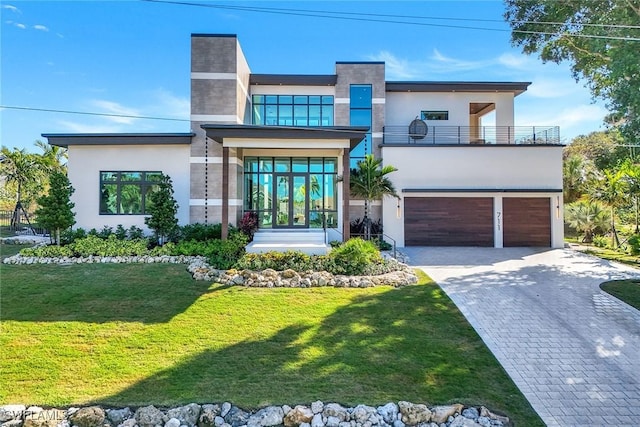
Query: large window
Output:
(293,110)
(280,189)
(360,115)
(126,193)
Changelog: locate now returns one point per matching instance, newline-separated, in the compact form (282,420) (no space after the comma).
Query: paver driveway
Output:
(573,350)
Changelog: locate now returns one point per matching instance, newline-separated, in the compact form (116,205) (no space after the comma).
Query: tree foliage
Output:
(590,35)
(369,181)
(163,208)
(588,217)
(55,211)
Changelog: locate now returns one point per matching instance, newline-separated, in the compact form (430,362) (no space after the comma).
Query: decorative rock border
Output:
(225,414)
(268,278)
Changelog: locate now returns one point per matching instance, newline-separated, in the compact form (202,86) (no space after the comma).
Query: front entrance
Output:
(291,200)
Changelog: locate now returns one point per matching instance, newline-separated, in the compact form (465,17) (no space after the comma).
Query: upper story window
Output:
(434,115)
(293,110)
(360,108)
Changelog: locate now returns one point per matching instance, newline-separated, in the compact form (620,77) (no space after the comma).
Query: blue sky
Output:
(133,58)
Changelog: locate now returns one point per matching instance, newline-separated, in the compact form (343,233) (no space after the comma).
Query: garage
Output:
(448,221)
(527,221)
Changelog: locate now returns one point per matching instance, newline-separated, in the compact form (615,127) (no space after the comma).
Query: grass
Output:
(141,334)
(626,290)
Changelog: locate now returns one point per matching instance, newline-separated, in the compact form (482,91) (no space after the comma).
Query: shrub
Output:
(121,232)
(357,227)
(200,232)
(135,233)
(354,255)
(249,224)
(111,246)
(278,261)
(224,254)
(69,236)
(51,251)
(600,241)
(634,244)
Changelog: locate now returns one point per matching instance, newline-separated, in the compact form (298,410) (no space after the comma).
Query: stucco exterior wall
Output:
(491,169)
(86,162)
(403,107)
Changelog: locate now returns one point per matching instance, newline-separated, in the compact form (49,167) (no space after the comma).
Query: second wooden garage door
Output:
(448,221)
(527,221)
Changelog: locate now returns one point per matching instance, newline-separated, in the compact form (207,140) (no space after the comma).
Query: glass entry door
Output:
(291,200)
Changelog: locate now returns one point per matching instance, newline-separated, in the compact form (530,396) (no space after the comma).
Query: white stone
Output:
(226,407)
(173,422)
(388,412)
(317,421)
(317,407)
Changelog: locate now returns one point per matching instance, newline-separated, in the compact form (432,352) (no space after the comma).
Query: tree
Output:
(369,181)
(587,217)
(163,209)
(573,178)
(595,38)
(24,171)
(53,158)
(55,211)
(631,176)
(609,189)
(604,149)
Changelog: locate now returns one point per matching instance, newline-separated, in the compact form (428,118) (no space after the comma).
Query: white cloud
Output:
(552,88)
(76,127)
(40,27)
(515,61)
(11,8)
(19,25)
(169,105)
(396,69)
(110,107)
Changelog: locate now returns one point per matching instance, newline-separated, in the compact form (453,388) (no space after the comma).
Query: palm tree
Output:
(369,181)
(609,189)
(573,178)
(54,158)
(631,176)
(587,217)
(22,169)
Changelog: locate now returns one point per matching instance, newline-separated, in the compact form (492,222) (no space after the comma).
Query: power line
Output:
(88,113)
(337,15)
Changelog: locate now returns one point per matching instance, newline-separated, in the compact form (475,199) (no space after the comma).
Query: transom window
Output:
(293,110)
(126,193)
(434,115)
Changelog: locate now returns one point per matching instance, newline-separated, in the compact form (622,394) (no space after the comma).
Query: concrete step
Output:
(308,241)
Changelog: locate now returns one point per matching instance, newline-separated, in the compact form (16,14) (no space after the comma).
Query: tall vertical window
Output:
(360,115)
(293,110)
(126,193)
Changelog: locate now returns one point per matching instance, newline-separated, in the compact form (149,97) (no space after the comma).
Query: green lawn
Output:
(626,290)
(140,334)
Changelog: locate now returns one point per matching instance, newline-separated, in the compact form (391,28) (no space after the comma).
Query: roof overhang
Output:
(65,140)
(293,79)
(220,132)
(515,87)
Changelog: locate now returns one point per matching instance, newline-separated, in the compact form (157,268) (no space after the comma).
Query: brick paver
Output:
(572,349)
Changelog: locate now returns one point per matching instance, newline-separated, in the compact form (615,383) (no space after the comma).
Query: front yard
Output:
(140,334)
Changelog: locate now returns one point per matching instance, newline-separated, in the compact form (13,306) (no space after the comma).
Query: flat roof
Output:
(434,86)
(218,132)
(294,79)
(66,139)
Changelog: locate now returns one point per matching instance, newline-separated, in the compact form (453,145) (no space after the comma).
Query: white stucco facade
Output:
(483,171)
(87,161)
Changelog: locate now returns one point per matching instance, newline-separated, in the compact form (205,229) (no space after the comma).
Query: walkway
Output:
(573,350)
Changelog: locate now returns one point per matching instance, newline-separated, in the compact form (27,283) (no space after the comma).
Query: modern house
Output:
(282,145)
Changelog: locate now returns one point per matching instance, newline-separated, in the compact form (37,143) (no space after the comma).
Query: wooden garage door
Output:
(527,221)
(448,221)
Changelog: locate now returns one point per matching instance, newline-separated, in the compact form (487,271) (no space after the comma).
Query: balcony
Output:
(473,135)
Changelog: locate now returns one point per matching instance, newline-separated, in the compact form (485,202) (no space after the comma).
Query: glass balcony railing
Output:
(461,135)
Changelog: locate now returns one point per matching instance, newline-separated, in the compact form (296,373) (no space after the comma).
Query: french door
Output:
(291,204)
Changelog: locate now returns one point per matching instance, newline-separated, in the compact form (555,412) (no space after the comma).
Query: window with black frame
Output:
(126,192)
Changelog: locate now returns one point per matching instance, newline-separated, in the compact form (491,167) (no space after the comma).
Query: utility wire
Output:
(87,113)
(336,15)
